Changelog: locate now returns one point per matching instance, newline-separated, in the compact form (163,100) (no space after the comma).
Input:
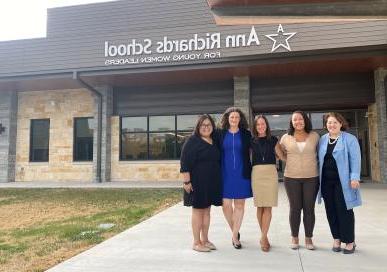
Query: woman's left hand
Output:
(355,184)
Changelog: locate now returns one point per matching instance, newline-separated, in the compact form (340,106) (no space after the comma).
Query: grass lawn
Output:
(42,227)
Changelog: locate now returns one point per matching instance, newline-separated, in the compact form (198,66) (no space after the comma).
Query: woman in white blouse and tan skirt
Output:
(264,177)
(301,175)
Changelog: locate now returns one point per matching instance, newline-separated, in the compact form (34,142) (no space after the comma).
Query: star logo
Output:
(282,37)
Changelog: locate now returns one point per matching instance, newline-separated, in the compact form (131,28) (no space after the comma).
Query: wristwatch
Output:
(186,182)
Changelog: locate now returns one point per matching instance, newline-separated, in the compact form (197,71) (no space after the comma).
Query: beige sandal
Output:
(294,244)
(309,244)
(201,248)
(210,245)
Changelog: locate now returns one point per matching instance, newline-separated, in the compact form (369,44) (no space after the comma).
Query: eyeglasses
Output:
(206,126)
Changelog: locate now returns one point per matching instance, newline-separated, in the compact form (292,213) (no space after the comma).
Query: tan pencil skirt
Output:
(264,181)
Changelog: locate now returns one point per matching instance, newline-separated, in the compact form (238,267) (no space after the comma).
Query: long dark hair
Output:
(254,128)
(200,121)
(307,122)
(224,124)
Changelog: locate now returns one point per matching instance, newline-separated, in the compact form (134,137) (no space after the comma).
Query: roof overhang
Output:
(231,12)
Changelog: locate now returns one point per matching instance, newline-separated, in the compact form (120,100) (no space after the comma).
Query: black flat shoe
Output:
(336,249)
(236,246)
(349,251)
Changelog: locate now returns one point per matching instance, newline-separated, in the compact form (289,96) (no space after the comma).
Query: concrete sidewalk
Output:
(79,184)
(163,243)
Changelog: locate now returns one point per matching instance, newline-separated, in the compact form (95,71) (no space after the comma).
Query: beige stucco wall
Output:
(139,170)
(374,147)
(60,107)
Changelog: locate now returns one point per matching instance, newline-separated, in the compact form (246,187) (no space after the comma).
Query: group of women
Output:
(224,166)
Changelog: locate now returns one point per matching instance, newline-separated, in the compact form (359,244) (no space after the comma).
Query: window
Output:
(39,140)
(155,137)
(83,139)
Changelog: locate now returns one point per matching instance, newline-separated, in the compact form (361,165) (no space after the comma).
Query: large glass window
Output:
(83,139)
(155,137)
(39,140)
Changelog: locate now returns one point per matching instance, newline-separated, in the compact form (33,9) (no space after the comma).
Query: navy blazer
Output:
(246,142)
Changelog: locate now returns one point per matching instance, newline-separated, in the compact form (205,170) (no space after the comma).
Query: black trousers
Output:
(302,195)
(341,221)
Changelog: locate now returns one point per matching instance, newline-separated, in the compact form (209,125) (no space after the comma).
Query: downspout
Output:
(99,120)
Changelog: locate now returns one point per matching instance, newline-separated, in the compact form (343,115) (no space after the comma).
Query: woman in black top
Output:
(264,177)
(200,166)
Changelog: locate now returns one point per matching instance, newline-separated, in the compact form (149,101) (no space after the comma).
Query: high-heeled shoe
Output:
(349,251)
(336,248)
(235,245)
(265,245)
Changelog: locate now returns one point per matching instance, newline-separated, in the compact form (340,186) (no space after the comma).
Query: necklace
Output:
(334,140)
(262,145)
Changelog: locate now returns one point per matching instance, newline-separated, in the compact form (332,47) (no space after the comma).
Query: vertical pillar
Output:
(242,96)
(8,130)
(380,76)
(107,112)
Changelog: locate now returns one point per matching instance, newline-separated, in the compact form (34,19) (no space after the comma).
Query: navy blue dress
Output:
(202,161)
(235,186)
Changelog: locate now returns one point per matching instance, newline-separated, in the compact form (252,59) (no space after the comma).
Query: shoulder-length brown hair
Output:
(254,128)
(339,117)
(224,124)
(308,124)
(200,121)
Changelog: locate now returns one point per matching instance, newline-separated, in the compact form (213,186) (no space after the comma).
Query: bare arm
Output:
(187,178)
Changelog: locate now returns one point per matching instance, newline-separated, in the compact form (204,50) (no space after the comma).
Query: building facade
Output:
(114,89)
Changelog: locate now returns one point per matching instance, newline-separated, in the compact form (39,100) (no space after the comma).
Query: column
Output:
(242,96)
(380,76)
(8,129)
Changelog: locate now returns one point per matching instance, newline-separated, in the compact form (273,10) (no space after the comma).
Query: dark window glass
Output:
(181,138)
(155,137)
(162,146)
(186,122)
(83,139)
(134,146)
(39,140)
(161,123)
(134,124)
(317,120)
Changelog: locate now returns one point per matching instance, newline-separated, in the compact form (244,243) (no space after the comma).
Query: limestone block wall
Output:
(139,170)
(60,106)
(374,144)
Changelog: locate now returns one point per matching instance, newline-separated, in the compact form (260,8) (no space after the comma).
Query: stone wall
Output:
(8,111)
(373,143)
(139,170)
(60,107)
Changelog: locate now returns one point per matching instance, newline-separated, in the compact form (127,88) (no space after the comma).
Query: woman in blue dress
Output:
(234,143)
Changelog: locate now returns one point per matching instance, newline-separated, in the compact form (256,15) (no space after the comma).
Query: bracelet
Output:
(186,182)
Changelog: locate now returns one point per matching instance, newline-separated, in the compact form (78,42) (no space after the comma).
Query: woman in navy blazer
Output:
(340,164)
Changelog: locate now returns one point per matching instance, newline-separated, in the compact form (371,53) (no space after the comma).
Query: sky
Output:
(25,19)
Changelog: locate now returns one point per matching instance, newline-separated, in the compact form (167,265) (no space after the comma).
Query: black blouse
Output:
(263,150)
(330,170)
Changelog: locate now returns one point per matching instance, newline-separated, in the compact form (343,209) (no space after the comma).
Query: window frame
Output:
(148,133)
(31,140)
(74,139)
